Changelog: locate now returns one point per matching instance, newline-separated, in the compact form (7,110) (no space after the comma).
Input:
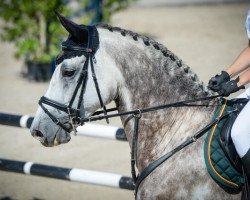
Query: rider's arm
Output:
(222,84)
(241,63)
(244,78)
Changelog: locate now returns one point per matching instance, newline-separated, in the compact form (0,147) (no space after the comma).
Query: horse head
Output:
(79,86)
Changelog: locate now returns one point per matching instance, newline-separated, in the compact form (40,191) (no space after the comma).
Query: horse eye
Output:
(68,73)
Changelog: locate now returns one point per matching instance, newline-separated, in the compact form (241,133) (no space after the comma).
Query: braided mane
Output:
(147,41)
(165,52)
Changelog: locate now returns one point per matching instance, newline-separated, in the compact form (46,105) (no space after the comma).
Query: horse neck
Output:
(153,76)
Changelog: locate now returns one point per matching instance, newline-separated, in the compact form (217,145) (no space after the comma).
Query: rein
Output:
(150,109)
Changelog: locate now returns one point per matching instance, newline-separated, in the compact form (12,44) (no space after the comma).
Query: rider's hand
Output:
(215,82)
(229,87)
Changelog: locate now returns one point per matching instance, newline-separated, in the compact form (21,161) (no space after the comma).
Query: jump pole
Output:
(89,129)
(70,174)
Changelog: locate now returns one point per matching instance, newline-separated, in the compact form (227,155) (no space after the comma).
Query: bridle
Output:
(74,114)
(75,118)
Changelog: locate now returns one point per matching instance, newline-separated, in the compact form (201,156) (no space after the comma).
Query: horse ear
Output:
(78,32)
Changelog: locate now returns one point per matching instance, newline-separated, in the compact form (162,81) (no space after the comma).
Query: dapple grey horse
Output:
(137,72)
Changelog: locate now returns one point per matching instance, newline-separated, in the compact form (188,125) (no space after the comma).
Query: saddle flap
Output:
(225,139)
(227,145)
(219,152)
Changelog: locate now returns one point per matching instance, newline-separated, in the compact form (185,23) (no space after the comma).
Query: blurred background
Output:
(206,34)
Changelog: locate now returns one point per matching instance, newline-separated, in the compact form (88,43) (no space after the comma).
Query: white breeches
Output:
(241,128)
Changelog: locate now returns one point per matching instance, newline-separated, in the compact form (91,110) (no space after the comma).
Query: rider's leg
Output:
(241,133)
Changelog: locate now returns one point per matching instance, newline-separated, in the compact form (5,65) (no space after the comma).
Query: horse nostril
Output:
(37,133)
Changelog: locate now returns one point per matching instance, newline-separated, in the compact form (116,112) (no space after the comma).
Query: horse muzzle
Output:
(50,135)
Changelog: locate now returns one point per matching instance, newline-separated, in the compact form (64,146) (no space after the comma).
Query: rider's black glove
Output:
(230,87)
(215,82)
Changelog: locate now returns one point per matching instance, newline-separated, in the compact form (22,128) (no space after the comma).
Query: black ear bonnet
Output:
(72,47)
